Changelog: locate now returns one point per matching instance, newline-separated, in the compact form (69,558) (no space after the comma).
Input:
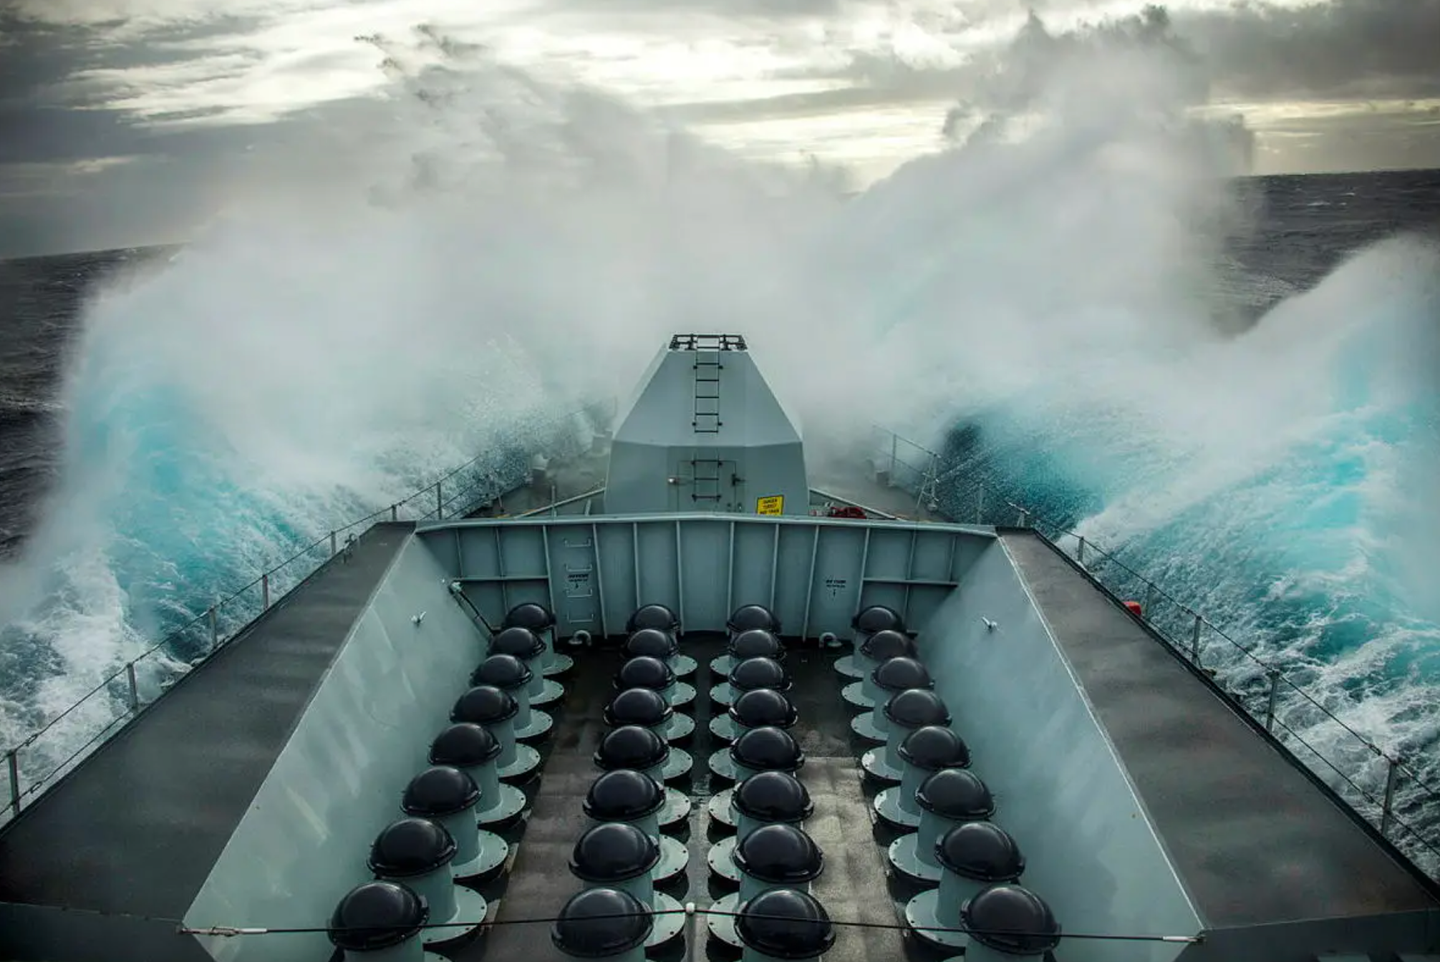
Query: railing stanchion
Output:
(894,440)
(1270,700)
(1195,639)
(12,763)
(265,591)
(980,503)
(394,512)
(1080,551)
(134,687)
(332,544)
(1024,517)
(439,504)
(1387,810)
(1149,611)
(214,628)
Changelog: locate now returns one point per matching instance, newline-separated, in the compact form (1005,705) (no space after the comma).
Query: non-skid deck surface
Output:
(1251,836)
(852,888)
(138,825)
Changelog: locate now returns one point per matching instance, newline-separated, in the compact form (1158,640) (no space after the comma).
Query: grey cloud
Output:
(762,9)
(1352,49)
(1344,49)
(54,103)
(779,107)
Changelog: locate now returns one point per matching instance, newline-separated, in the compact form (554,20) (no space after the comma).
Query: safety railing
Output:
(1386,789)
(60,742)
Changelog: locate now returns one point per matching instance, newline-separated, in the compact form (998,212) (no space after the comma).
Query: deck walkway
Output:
(138,825)
(1251,837)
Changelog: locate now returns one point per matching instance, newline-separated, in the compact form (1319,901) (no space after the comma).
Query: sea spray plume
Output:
(477,246)
(288,371)
(1049,286)
(1302,520)
(1081,235)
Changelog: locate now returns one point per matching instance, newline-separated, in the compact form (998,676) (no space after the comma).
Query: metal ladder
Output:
(707,392)
(706,480)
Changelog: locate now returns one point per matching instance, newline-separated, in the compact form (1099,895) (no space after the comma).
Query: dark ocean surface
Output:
(1312,554)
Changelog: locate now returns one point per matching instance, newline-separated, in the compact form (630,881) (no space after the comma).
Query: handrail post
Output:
(439,504)
(1024,517)
(1387,811)
(394,512)
(1270,699)
(265,591)
(1149,611)
(214,628)
(1195,639)
(1080,551)
(134,687)
(12,763)
(894,440)
(332,544)
(980,503)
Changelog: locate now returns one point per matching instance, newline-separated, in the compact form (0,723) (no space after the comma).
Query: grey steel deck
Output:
(1249,834)
(852,888)
(137,826)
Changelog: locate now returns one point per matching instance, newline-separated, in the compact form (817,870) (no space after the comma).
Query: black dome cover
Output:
(916,707)
(898,674)
(613,852)
(1011,919)
(956,794)
(785,924)
(759,673)
(465,745)
(522,643)
(982,851)
(530,615)
(934,747)
(631,746)
(484,705)
(410,846)
(377,915)
(760,707)
(877,618)
(505,672)
(755,643)
(438,791)
(887,644)
(652,616)
(638,706)
(623,795)
(600,922)
(767,749)
(652,642)
(773,797)
(644,672)
(780,854)
(752,616)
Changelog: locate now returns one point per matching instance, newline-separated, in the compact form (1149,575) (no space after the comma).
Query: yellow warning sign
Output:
(775,504)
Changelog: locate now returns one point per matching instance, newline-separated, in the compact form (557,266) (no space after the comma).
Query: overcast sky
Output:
(118,116)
